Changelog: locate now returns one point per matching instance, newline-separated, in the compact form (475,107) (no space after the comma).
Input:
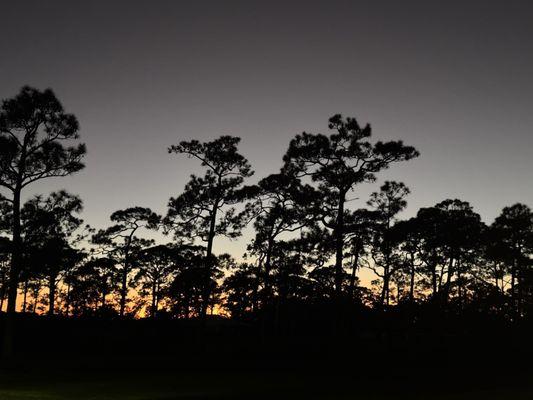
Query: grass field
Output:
(235,385)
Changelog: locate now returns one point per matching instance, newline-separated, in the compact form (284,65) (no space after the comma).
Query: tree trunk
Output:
(35,296)
(25,297)
(459,288)
(447,285)
(354,268)
(209,255)
(124,277)
(412,281)
(16,253)
(338,234)
(14,272)
(513,287)
(153,309)
(67,301)
(123,290)
(434,279)
(51,293)
(385,289)
(104,293)
(268,267)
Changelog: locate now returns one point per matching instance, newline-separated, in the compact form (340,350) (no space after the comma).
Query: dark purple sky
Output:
(453,78)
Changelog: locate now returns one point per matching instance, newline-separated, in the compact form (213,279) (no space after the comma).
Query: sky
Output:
(453,79)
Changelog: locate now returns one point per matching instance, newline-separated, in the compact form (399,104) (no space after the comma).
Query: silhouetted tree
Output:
(95,279)
(450,231)
(514,227)
(5,251)
(281,204)
(359,231)
(120,240)
(407,239)
(185,292)
(156,265)
(34,130)
(387,203)
(241,290)
(338,163)
(206,207)
(49,226)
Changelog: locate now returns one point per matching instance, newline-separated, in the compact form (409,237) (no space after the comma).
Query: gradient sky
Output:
(452,78)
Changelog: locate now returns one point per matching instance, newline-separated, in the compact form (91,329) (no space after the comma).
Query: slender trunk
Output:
(16,253)
(153,309)
(385,289)
(448,280)
(157,291)
(104,293)
(3,291)
(354,268)
(35,296)
(513,287)
(459,288)
(25,298)
(51,293)
(412,280)
(387,298)
(434,279)
(14,272)
(123,290)
(441,276)
(209,254)
(386,279)
(268,267)
(187,306)
(67,301)
(338,234)
(124,277)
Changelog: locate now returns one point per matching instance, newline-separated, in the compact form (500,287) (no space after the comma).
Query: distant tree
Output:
(450,232)
(206,207)
(338,163)
(514,228)
(187,287)
(50,228)
(387,203)
(290,277)
(241,289)
(281,204)
(407,239)
(156,266)
(462,232)
(496,266)
(95,279)
(120,241)
(360,225)
(34,130)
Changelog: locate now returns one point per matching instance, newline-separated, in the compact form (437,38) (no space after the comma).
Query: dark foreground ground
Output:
(240,385)
(468,358)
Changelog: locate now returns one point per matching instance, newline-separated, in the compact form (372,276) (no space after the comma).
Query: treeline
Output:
(308,248)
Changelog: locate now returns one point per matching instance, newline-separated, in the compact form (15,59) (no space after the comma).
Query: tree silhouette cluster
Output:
(308,247)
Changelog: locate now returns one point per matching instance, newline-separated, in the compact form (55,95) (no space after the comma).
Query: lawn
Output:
(212,385)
